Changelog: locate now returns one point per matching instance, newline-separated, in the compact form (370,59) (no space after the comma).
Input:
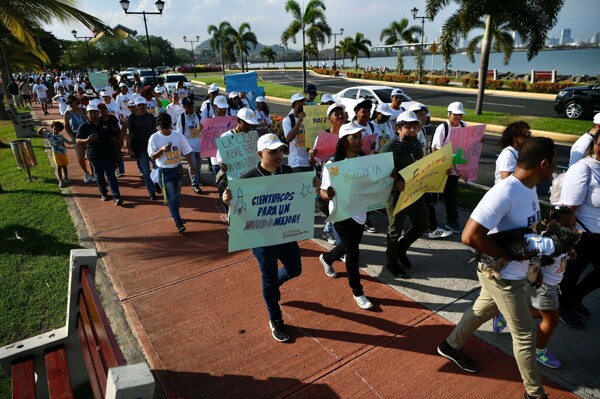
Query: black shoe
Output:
(118,201)
(153,197)
(157,188)
(180,228)
(369,227)
(570,318)
(404,259)
(581,310)
(528,396)
(457,356)
(278,330)
(104,197)
(197,190)
(396,271)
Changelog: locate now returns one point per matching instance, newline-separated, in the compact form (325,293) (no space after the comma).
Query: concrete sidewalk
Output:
(198,313)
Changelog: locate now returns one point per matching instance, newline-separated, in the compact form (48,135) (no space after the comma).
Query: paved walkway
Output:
(198,313)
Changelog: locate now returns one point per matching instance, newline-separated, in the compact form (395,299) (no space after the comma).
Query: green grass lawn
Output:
(33,272)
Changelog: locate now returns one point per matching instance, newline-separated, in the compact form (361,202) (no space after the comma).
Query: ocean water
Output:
(566,62)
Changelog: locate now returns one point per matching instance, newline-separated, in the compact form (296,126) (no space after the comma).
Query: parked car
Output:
(130,70)
(352,95)
(129,77)
(146,77)
(578,102)
(171,80)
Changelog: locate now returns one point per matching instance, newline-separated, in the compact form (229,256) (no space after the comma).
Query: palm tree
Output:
(241,38)
(269,54)
(395,34)
(503,42)
(317,33)
(313,14)
(531,19)
(343,48)
(357,45)
(311,49)
(220,39)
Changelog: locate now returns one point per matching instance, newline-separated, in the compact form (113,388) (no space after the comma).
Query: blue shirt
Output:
(57,142)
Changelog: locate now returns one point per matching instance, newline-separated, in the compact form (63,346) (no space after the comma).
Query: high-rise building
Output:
(517,39)
(552,41)
(565,36)
(595,38)
(464,41)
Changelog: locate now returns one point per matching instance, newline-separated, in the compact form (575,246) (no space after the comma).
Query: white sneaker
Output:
(93,178)
(363,302)
(343,258)
(439,233)
(117,174)
(329,270)
(86,178)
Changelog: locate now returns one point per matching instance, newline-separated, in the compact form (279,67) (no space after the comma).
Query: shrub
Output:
(544,87)
(440,81)
(516,85)
(470,82)
(563,85)
(190,69)
(356,75)
(326,71)
(494,84)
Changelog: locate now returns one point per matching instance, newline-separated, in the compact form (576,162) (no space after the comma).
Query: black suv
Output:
(578,102)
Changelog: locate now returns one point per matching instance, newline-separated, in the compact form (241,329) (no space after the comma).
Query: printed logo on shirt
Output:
(563,264)
(195,131)
(173,156)
(300,138)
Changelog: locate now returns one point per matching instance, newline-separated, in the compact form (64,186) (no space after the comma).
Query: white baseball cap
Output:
(396,92)
(407,116)
(325,98)
(160,90)
(247,115)
(123,84)
(234,94)
(260,99)
(297,97)
(597,119)
(220,102)
(269,141)
(350,128)
(139,100)
(456,108)
(212,88)
(384,109)
(417,107)
(92,106)
(334,106)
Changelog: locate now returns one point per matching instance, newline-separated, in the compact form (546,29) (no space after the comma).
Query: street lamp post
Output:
(191,42)
(414,13)
(160,6)
(335,35)
(87,47)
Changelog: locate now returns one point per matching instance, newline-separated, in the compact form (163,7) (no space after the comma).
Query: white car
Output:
(171,80)
(352,95)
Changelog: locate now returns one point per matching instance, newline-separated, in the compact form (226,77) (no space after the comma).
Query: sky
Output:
(268,18)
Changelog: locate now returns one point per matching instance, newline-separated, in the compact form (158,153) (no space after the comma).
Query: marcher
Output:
(59,151)
(123,99)
(234,102)
(299,158)
(270,151)
(579,148)
(581,192)
(349,230)
(61,100)
(383,126)
(206,109)
(40,92)
(396,98)
(220,107)
(166,147)
(311,94)
(25,90)
(406,150)
(98,137)
(441,137)
(510,204)
(512,139)
(189,125)
(175,109)
(73,118)
(262,116)
(116,138)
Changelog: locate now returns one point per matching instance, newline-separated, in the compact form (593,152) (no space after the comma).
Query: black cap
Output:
(187,101)
(366,104)
(311,89)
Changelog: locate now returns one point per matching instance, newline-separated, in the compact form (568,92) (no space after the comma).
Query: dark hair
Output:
(555,213)
(163,120)
(513,130)
(340,150)
(364,104)
(590,149)
(534,150)
(265,108)
(58,124)
(71,98)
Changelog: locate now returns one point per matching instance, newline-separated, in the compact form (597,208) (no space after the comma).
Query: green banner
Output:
(238,152)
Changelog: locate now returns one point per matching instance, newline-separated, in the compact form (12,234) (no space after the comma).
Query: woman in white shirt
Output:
(262,115)
(512,139)
(581,192)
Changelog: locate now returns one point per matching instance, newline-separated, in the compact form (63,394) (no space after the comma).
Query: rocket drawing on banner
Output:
(240,204)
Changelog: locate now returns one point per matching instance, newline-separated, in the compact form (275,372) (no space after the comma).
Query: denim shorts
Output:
(545,297)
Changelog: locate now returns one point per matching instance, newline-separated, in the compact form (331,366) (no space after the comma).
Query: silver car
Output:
(171,80)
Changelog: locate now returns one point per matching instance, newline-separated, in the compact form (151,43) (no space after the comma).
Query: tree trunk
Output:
(483,64)
(303,59)
(222,60)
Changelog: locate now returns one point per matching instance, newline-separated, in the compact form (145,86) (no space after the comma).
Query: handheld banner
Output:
(470,139)
(238,152)
(325,145)
(98,79)
(427,175)
(212,128)
(368,142)
(240,81)
(315,121)
(361,184)
(271,210)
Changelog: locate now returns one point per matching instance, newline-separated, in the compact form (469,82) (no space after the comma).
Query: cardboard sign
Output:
(368,142)
(271,210)
(427,175)
(325,145)
(361,184)
(212,128)
(238,152)
(470,139)
(315,121)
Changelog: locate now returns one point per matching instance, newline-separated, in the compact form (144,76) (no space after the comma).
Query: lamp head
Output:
(414,12)
(184,39)
(342,31)
(160,5)
(124,5)
(74,32)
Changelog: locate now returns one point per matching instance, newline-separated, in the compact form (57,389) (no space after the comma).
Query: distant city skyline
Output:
(268,18)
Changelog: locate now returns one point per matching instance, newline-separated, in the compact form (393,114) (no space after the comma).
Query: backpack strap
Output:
(292,120)
(372,127)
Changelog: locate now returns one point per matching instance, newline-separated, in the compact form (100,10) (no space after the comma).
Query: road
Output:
(491,149)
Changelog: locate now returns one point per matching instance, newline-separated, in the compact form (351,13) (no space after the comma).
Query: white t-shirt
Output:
(438,140)
(298,155)
(553,274)
(113,109)
(385,133)
(395,113)
(580,147)
(152,107)
(191,131)
(40,90)
(506,162)
(581,188)
(182,92)
(206,111)
(263,117)
(62,103)
(423,140)
(509,205)
(175,111)
(361,218)
(179,148)
(123,101)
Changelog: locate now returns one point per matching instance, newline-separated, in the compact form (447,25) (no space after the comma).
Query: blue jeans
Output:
(171,180)
(143,162)
(272,276)
(104,169)
(194,168)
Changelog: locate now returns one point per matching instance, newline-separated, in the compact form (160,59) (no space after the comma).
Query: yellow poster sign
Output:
(315,121)
(427,175)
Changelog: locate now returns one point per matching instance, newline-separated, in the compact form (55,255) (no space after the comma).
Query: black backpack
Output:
(183,121)
(446,128)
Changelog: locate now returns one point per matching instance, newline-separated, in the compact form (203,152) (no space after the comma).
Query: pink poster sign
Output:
(368,143)
(470,140)
(325,145)
(213,128)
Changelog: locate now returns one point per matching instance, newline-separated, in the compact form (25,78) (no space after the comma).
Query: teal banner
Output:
(238,152)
